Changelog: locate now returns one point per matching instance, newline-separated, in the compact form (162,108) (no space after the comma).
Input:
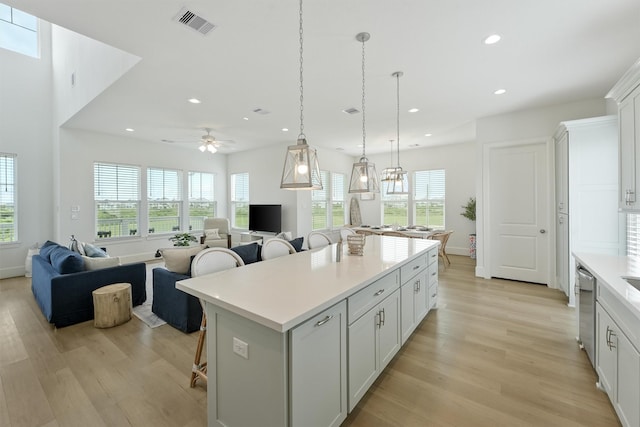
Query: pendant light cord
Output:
(300,31)
(363,110)
(398,115)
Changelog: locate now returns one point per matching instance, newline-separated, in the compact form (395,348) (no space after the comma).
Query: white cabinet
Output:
(618,367)
(587,217)
(374,338)
(432,294)
(414,296)
(318,357)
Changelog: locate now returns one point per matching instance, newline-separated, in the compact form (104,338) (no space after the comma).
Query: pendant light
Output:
(399,183)
(301,170)
(388,173)
(364,178)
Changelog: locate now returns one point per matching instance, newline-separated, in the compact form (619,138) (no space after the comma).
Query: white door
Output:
(518,212)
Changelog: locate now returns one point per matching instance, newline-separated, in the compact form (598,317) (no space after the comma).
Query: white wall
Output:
(539,124)
(78,152)
(459,163)
(25,130)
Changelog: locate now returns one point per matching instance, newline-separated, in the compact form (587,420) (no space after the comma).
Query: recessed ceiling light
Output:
(285,130)
(492,39)
(130,130)
(414,110)
(245,118)
(194,100)
(428,134)
(500,92)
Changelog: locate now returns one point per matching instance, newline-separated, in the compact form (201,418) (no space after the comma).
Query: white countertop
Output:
(609,270)
(283,292)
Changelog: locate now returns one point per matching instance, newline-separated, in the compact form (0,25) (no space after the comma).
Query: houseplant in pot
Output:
(469,212)
(182,239)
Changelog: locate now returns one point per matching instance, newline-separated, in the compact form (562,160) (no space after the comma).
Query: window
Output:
(332,194)
(18,31)
(8,205)
(428,197)
(395,209)
(202,202)
(164,200)
(117,198)
(240,200)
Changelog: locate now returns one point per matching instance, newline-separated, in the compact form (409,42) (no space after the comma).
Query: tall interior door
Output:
(518,213)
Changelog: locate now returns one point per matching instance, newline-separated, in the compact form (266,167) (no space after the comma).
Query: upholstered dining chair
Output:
(274,248)
(318,239)
(394,234)
(209,261)
(346,231)
(443,237)
(217,233)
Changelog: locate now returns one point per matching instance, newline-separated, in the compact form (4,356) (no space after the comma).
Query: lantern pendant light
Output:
(301,170)
(364,178)
(399,183)
(388,173)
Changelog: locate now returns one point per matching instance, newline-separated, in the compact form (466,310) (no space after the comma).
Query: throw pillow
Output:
(91,264)
(178,260)
(94,251)
(297,243)
(286,235)
(249,253)
(65,261)
(211,233)
(47,248)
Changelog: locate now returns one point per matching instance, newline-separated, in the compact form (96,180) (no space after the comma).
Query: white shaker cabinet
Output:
(414,295)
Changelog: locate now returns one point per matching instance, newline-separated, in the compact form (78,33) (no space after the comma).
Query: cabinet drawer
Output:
(360,302)
(432,255)
(433,274)
(411,268)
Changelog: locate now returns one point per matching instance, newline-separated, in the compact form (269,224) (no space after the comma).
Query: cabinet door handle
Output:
(380,292)
(417,286)
(325,320)
(382,317)
(378,320)
(629,197)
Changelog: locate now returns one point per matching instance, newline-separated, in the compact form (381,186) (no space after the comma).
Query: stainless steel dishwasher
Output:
(586,293)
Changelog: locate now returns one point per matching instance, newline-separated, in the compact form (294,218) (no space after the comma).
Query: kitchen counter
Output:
(283,292)
(609,270)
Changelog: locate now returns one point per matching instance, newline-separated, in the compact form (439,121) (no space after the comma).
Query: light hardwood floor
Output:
(494,353)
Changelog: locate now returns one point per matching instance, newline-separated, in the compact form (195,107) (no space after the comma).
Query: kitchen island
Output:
(298,340)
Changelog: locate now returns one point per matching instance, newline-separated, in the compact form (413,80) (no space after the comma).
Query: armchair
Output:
(223,238)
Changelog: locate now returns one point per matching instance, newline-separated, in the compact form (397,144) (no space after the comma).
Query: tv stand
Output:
(255,236)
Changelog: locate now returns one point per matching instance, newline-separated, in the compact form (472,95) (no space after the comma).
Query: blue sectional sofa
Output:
(63,288)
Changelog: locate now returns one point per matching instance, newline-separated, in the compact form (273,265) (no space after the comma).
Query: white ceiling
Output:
(552,52)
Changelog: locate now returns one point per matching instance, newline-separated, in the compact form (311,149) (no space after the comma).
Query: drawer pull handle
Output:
(434,273)
(434,295)
(380,292)
(325,320)
(415,267)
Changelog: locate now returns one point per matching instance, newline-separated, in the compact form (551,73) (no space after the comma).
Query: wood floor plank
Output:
(494,352)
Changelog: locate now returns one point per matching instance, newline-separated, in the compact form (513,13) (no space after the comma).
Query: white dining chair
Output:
(274,248)
(346,231)
(318,239)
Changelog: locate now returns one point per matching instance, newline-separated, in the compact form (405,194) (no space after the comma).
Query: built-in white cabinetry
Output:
(626,93)
(617,359)
(414,295)
(587,217)
(318,357)
(374,334)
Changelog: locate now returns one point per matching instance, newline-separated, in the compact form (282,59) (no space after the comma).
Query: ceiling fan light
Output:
(211,148)
(202,148)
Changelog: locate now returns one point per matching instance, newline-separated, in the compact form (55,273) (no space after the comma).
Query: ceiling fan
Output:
(208,142)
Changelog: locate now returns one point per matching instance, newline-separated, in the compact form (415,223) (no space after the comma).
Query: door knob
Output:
(542,231)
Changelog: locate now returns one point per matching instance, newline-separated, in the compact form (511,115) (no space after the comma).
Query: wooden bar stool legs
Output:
(199,370)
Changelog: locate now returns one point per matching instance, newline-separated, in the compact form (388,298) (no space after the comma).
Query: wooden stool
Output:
(112,305)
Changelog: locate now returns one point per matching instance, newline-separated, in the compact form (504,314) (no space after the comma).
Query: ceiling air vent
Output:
(193,21)
(261,111)
(351,110)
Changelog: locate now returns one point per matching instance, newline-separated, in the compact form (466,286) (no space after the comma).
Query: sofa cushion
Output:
(65,261)
(91,264)
(249,253)
(178,260)
(45,250)
(297,243)
(93,251)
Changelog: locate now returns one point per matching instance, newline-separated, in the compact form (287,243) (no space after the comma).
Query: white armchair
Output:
(217,233)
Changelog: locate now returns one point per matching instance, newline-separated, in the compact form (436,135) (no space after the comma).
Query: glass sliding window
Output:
(429,197)
(319,203)
(164,200)
(240,200)
(8,205)
(18,31)
(117,198)
(337,200)
(202,203)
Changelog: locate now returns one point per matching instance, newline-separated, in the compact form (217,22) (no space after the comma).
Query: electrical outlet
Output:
(240,348)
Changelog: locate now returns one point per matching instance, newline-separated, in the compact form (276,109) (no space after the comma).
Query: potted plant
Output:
(182,239)
(469,212)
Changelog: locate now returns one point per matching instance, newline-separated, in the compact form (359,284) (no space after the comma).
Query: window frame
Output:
(191,219)
(429,200)
(236,202)
(122,202)
(34,45)
(170,178)
(6,181)
(329,197)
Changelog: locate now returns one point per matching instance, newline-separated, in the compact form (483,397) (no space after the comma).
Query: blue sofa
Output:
(181,310)
(63,289)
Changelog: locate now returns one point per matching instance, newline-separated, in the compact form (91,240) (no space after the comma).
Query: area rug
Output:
(143,311)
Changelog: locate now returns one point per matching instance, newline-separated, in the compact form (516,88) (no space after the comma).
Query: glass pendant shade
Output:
(301,170)
(399,184)
(364,178)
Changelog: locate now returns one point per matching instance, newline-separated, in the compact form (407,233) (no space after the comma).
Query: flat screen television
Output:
(266,218)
